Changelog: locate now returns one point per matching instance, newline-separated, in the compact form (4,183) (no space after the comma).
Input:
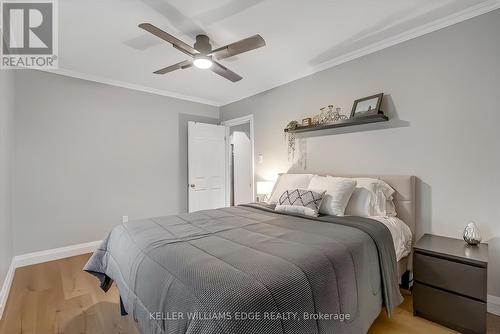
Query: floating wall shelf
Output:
(340,124)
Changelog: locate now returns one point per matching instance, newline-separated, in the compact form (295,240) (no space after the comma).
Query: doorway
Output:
(240,162)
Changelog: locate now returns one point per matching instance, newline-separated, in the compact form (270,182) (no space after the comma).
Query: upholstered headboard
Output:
(404,198)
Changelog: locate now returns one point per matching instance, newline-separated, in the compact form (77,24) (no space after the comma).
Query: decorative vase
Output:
(471,234)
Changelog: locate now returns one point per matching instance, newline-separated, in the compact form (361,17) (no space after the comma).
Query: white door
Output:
(206,166)
(242,171)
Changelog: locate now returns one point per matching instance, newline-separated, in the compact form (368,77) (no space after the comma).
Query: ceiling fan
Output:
(202,53)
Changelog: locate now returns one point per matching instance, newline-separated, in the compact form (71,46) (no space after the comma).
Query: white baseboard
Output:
(494,305)
(7,283)
(55,254)
(40,257)
(79,249)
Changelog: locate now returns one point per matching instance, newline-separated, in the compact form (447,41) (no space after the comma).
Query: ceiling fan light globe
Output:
(203,63)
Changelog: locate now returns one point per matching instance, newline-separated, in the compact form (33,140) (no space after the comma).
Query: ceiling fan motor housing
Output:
(203,44)
(202,53)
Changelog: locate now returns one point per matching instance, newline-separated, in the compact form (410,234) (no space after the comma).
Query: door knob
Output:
(192,185)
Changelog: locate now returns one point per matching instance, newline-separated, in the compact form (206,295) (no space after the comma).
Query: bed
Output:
(249,269)
(404,199)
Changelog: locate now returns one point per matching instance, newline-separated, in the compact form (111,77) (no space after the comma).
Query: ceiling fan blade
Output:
(225,72)
(177,43)
(182,65)
(236,48)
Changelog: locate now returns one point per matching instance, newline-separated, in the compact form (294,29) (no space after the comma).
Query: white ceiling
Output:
(99,39)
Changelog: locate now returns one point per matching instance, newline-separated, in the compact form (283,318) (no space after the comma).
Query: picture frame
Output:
(367,106)
(307,121)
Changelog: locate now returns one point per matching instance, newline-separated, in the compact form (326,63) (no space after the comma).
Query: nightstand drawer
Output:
(457,277)
(457,312)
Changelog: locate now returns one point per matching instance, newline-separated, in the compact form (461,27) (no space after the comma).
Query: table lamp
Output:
(264,189)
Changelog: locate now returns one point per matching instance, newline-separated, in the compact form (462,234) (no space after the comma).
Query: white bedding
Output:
(401,235)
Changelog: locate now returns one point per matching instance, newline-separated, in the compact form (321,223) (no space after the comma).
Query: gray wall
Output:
(443,96)
(87,154)
(6,164)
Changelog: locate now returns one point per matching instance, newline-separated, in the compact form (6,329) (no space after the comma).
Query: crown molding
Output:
(123,84)
(425,29)
(466,14)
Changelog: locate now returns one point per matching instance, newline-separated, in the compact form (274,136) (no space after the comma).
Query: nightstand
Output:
(450,283)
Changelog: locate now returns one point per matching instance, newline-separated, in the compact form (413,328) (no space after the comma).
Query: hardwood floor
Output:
(58,297)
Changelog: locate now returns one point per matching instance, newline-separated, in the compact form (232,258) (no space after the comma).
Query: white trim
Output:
(238,121)
(233,122)
(55,254)
(227,163)
(494,305)
(79,249)
(466,14)
(425,29)
(7,283)
(123,84)
(40,257)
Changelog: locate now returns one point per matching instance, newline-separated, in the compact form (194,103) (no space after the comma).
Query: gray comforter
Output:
(248,269)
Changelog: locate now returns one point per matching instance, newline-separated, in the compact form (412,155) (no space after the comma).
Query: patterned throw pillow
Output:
(301,201)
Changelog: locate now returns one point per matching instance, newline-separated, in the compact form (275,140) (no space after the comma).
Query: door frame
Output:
(233,122)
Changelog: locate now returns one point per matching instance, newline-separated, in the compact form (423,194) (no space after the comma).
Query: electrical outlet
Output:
(124,219)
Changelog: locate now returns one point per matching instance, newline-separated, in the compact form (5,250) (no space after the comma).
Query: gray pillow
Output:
(301,201)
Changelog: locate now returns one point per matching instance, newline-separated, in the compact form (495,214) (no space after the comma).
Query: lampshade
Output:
(264,187)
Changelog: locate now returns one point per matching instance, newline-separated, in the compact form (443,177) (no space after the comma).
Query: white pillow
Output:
(390,207)
(338,191)
(371,197)
(288,181)
(302,201)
